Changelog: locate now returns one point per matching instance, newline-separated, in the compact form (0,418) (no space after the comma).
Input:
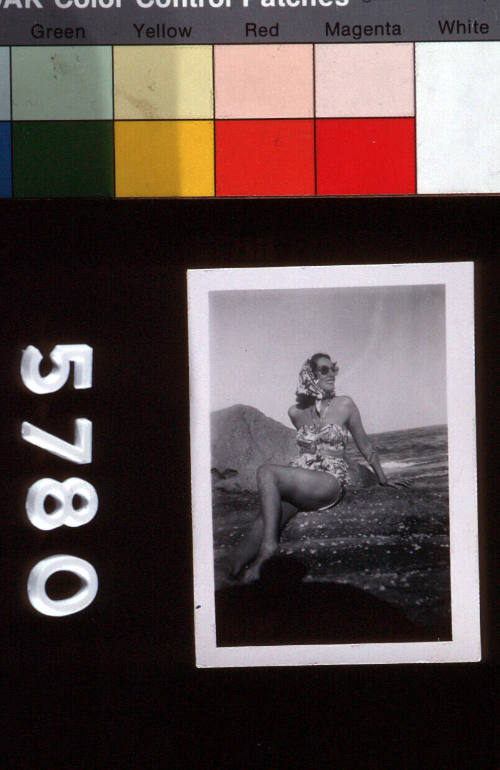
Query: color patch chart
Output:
(260,119)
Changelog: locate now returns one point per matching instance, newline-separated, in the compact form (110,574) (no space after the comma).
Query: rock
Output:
(361,475)
(243,438)
(228,485)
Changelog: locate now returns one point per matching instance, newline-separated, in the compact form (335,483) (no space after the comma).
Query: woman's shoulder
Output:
(347,406)
(345,401)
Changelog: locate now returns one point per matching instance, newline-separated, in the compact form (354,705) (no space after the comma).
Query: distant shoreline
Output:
(439,426)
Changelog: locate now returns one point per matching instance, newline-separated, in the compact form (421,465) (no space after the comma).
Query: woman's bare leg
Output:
(301,488)
(248,547)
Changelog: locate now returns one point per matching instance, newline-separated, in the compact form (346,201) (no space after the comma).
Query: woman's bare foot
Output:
(252,572)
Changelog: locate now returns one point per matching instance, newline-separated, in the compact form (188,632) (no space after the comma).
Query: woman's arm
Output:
(294,415)
(365,447)
(362,442)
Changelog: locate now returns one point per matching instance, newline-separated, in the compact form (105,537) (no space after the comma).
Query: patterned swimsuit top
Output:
(330,439)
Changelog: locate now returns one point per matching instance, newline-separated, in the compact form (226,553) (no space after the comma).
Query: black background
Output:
(116,685)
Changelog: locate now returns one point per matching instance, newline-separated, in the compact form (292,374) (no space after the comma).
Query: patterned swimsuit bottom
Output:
(317,445)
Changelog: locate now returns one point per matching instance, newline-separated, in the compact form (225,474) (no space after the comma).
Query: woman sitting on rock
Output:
(317,477)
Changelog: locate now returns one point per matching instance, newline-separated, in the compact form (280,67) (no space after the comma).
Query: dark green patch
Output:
(59,159)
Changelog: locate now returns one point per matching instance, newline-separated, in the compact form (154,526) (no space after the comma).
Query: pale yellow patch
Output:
(163,82)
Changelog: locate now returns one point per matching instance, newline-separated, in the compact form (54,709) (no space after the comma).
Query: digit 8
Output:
(65,512)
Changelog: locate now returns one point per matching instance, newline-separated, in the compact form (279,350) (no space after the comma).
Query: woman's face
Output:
(325,376)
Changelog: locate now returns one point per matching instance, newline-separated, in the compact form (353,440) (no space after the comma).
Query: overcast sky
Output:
(389,343)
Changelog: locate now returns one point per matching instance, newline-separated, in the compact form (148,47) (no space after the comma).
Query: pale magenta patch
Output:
(372,80)
(263,81)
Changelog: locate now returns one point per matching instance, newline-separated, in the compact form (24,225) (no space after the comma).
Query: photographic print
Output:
(333,464)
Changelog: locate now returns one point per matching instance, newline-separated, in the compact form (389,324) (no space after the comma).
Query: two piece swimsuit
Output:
(322,449)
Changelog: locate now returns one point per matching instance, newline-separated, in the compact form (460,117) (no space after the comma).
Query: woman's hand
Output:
(395,483)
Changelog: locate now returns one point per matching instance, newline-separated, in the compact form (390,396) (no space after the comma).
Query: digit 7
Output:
(78,452)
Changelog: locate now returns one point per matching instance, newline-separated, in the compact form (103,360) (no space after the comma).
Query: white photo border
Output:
(458,278)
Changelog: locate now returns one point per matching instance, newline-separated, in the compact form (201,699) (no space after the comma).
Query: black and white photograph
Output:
(333,464)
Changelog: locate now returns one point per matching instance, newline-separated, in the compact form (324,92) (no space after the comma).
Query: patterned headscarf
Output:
(307,384)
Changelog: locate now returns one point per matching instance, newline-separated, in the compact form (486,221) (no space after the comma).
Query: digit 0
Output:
(65,512)
(42,571)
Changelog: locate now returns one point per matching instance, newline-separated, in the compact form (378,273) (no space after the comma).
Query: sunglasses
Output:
(325,369)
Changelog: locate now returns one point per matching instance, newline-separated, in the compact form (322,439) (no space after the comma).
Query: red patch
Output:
(264,157)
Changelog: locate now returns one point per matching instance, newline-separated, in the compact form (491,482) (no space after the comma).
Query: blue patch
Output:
(5,161)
